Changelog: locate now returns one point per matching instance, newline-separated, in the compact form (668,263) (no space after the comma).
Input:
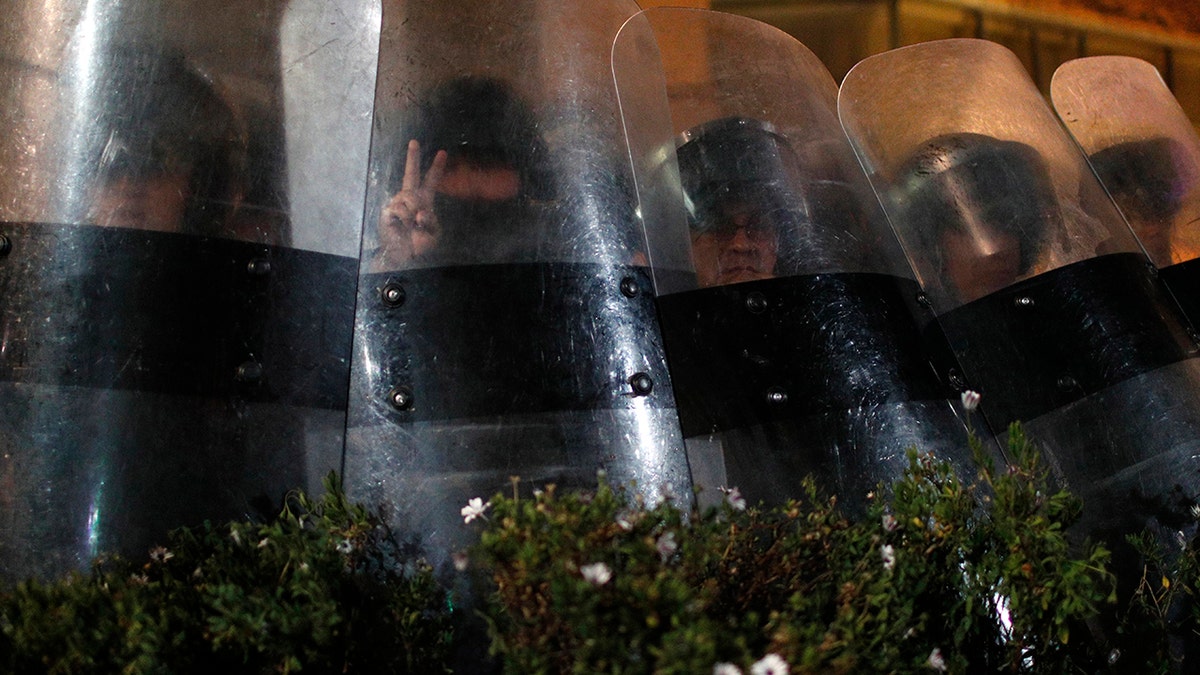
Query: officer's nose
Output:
(741,239)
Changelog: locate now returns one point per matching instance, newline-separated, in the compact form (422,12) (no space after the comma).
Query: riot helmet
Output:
(169,152)
(481,120)
(984,207)
(738,176)
(1148,179)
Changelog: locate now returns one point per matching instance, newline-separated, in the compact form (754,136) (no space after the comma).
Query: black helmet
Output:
(156,116)
(482,120)
(736,158)
(1144,177)
(989,187)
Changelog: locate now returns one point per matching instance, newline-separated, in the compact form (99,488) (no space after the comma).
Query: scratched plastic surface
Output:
(505,326)
(179,264)
(1055,313)
(793,348)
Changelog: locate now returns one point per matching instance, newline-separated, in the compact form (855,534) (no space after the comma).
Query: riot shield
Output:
(785,300)
(176,335)
(1054,312)
(505,330)
(1146,153)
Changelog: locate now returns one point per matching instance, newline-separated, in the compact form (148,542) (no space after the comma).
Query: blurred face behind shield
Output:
(740,199)
(736,241)
(1149,180)
(981,208)
(468,176)
(172,150)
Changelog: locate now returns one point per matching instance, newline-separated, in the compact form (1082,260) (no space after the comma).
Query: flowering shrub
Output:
(1161,625)
(323,588)
(941,576)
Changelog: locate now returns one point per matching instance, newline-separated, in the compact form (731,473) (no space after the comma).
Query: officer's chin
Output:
(739,275)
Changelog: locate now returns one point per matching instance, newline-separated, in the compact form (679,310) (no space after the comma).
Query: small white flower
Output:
(666,545)
(936,660)
(889,556)
(771,664)
(235,536)
(197,573)
(160,554)
(626,520)
(1196,511)
(345,547)
(735,499)
(726,669)
(596,574)
(139,579)
(262,543)
(474,509)
(303,567)
(460,561)
(970,400)
(889,523)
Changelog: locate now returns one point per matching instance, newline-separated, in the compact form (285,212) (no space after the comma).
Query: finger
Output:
(412,166)
(392,208)
(426,221)
(434,176)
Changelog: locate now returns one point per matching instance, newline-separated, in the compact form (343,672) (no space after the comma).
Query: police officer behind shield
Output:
(468,179)
(988,205)
(170,152)
(1149,180)
(737,175)
(793,356)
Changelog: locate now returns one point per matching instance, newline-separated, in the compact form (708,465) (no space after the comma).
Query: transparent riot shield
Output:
(178,292)
(1146,153)
(505,325)
(786,303)
(1054,312)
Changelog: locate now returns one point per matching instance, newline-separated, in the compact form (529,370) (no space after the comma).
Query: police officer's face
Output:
(739,245)
(484,182)
(474,200)
(977,266)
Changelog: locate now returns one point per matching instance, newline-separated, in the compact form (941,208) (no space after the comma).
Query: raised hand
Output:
(408,226)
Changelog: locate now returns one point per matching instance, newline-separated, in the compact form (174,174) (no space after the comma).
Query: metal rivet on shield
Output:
(777,396)
(400,398)
(642,384)
(1023,301)
(756,302)
(5,245)
(956,379)
(923,300)
(259,267)
(629,287)
(1067,383)
(249,372)
(392,294)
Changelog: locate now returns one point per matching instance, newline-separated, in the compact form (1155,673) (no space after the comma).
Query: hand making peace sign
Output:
(408,226)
